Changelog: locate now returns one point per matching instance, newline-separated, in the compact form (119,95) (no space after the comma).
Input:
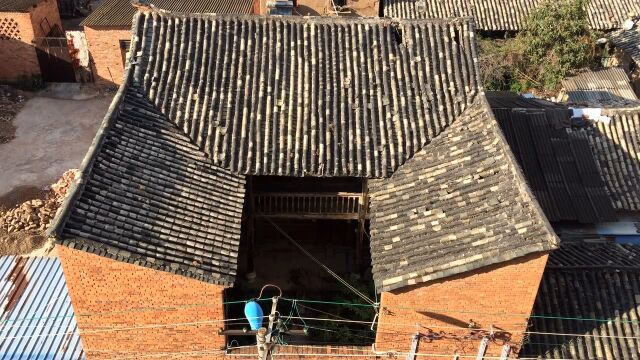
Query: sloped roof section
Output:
(459,204)
(299,96)
(500,15)
(150,197)
(616,146)
(37,317)
(559,166)
(607,87)
(17,5)
(120,12)
(629,41)
(590,290)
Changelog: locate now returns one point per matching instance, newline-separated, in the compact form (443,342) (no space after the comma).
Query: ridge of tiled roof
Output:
(499,15)
(559,165)
(610,87)
(591,291)
(616,146)
(459,204)
(292,96)
(120,12)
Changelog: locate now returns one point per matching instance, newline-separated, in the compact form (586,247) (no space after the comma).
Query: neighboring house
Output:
(601,88)
(108,30)
(507,15)
(37,320)
(379,113)
(22,23)
(589,292)
(627,44)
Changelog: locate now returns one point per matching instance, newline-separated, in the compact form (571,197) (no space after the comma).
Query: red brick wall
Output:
(17,54)
(500,295)
(108,294)
(104,49)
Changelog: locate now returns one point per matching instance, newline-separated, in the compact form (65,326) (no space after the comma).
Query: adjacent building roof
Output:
(629,41)
(36,315)
(120,12)
(616,146)
(609,87)
(559,165)
(17,5)
(210,98)
(459,204)
(506,14)
(589,292)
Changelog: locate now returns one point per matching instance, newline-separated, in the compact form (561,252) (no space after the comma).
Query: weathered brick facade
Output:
(104,48)
(17,33)
(109,294)
(501,296)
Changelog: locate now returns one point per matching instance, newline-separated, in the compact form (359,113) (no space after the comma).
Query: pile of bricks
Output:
(37,214)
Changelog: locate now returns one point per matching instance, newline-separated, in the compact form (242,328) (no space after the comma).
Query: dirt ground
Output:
(52,135)
(47,134)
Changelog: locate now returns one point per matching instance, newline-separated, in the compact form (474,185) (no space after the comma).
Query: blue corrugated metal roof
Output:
(36,315)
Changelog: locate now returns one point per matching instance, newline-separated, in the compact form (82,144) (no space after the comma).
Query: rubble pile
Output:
(11,101)
(36,215)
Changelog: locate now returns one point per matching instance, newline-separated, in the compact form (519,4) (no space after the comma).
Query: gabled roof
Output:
(609,87)
(559,165)
(590,290)
(37,320)
(459,204)
(221,96)
(17,5)
(120,12)
(616,146)
(506,14)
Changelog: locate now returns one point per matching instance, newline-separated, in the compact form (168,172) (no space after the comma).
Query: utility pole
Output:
(261,341)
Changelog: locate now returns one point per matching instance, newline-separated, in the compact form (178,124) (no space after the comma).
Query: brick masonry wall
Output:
(501,296)
(108,295)
(17,52)
(104,49)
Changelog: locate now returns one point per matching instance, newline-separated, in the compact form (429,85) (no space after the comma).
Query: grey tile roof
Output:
(296,96)
(150,197)
(590,290)
(629,41)
(617,150)
(559,165)
(119,13)
(308,96)
(17,5)
(459,204)
(609,87)
(506,14)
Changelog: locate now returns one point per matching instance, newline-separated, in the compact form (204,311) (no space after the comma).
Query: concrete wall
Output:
(501,296)
(17,32)
(104,49)
(324,7)
(111,297)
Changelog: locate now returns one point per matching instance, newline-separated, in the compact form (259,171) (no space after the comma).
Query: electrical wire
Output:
(323,266)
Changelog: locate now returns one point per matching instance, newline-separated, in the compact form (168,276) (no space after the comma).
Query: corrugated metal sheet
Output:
(36,315)
(607,87)
(120,12)
(16,5)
